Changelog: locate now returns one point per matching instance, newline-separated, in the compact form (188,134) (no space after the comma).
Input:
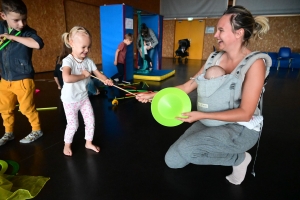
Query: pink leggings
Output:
(71,111)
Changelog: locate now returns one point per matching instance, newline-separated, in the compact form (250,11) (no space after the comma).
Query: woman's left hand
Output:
(190,116)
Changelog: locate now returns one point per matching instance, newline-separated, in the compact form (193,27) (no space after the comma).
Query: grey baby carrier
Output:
(224,92)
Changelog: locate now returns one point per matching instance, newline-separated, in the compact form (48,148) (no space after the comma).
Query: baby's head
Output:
(79,40)
(214,72)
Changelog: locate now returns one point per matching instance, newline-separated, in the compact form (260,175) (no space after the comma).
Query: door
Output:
(194,31)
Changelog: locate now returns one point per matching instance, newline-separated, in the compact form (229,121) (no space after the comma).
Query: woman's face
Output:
(224,35)
(144,33)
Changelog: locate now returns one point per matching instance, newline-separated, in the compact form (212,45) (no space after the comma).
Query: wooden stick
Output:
(115,86)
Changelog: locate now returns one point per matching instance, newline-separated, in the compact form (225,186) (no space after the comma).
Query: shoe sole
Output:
(26,142)
(7,141)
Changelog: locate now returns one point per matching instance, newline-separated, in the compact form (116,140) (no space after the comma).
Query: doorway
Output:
(194,32)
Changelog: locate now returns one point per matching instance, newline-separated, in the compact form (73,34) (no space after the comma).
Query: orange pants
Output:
(23,91)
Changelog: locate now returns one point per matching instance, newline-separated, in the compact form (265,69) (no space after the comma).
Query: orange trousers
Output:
(23,91)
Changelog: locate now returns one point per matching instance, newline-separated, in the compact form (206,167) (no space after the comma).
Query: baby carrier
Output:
(224,92)
(182,51)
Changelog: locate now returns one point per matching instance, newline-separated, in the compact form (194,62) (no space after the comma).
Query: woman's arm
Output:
(252,88)
(154,38)
(57,82)
(187,87)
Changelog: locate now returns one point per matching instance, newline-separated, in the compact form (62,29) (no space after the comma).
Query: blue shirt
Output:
(15,62)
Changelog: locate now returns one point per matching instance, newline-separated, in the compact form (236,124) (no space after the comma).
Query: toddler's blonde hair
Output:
(66,37)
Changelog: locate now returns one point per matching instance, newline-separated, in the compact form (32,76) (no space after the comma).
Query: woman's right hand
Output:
(145,97)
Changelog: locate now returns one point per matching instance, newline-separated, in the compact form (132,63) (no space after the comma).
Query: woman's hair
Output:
(65,51)
(144,30)
(66,37)
(253,27)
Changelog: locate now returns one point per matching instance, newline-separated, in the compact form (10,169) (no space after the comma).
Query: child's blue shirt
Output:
(16,58)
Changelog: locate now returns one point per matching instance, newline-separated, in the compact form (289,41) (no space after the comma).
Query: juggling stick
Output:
(49,108)
(114,86)
(4,42)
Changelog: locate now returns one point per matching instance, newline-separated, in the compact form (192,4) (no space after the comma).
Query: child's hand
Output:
(85,73)
(108,82)
(6,36)
(115,63)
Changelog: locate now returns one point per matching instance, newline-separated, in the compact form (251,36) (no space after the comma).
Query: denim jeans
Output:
(93,85)
(151,54)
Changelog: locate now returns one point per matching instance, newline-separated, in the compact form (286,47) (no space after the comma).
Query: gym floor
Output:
(131,164)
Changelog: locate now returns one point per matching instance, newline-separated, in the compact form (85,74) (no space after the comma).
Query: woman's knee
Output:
(174,160)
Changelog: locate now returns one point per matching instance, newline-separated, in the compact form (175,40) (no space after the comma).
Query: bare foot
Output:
(91,146)
(67,149)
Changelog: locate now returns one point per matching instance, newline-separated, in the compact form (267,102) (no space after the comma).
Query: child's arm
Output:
(116,56)
(72,78)
(103,78)
(27,41)
(57,82)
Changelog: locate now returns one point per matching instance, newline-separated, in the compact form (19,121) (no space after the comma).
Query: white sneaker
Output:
(34,135)
(6,137)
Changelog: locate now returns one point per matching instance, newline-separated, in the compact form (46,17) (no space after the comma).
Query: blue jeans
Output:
(120,73)
(93,85)
(151,54)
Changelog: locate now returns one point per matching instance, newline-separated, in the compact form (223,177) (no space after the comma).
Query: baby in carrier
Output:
(217,71)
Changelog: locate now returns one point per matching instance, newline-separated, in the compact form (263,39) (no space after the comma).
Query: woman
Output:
(225,143)
(149,37)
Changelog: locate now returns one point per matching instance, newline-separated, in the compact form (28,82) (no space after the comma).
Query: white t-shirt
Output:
(77,91)
(145,50)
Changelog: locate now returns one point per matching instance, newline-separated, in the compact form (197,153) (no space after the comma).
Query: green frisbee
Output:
(170,103)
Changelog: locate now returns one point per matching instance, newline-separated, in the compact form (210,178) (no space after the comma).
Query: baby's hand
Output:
(85,73)
(108,82)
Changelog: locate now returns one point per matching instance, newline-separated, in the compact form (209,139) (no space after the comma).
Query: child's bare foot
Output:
(67,149)
(91,146)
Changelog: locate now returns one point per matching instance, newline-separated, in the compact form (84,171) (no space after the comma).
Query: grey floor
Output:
(131,162)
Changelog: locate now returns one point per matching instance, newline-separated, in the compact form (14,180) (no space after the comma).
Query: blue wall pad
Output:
(114,24)
(155,75)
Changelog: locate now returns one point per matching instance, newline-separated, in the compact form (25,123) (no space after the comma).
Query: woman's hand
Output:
(190,116)
(145,97)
